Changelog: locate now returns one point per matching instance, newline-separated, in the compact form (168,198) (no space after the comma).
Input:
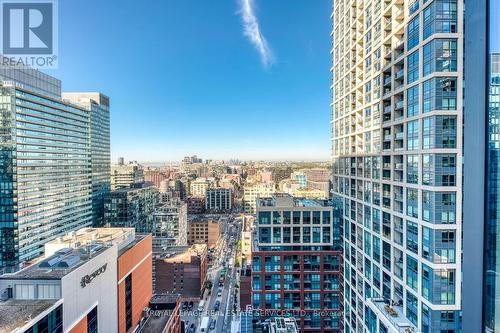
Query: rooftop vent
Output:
(51,261)
(69,261)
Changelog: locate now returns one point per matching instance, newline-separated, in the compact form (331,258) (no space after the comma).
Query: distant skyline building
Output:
(397,153)
(46,165)
(98,106)
(124,175)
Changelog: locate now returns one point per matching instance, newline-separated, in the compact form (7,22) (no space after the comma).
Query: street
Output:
(224,266)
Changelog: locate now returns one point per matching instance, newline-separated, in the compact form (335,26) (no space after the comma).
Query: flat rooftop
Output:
(109,236)
(162,307)
(180,254)
(282,325)
(58,265)
(284,200)
(17,313)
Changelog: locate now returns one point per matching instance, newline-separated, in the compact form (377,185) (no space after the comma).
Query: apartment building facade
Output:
(219,200)
(297,263)
(397,118)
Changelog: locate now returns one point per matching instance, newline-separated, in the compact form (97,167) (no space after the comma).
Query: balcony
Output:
(387,81)
(392,316)
(400,74)
(399,105)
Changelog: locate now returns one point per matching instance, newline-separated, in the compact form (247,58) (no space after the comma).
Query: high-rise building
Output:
(98,106)
(481,201)
(296,263)
(124,175)
(397,119)
(132,207)
(219,200)
(45,165)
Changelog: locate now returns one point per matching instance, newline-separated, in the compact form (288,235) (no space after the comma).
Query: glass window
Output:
(412,101)
(412,135)
(413,32)
(412,67)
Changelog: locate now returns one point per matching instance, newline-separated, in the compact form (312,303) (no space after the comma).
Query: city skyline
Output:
(168,101)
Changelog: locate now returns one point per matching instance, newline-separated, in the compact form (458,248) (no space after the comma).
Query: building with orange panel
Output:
(91,280)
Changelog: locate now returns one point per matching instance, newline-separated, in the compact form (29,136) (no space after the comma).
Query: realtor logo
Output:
(29,33)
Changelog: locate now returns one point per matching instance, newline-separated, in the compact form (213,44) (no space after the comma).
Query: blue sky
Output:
(184,78)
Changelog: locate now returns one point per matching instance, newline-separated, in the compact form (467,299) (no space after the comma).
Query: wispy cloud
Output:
(252,31)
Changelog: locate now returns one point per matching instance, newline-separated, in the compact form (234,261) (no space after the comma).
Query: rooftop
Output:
(285,200)
(161,309)
(282,325)
(17,313)
(180,254)
(122,237)
(58,265)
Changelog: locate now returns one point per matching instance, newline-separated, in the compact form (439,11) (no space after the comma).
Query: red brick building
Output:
(181,270)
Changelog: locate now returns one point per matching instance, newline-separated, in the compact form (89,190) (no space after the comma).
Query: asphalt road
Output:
(225,255)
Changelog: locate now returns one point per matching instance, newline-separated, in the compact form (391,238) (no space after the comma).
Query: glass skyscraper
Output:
(397,162)
(98,106)
(45,165)
(481,193)
(492,209)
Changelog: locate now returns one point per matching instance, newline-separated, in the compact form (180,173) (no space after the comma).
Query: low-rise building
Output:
(204,230)
(83,284)
(199,186)
(195,205)
(181,270)
(163,315)
(254,191)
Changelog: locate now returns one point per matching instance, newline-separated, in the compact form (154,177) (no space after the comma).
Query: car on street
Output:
(217,305)
(212,324)
(190,305)
(184,306)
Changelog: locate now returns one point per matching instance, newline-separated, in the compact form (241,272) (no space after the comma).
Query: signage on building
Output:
(88,278)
